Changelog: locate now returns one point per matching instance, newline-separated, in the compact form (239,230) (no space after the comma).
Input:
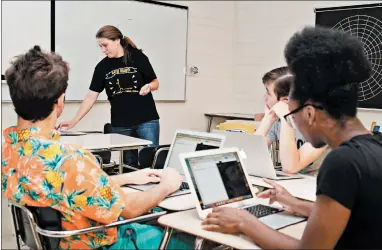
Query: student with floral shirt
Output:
(37,170)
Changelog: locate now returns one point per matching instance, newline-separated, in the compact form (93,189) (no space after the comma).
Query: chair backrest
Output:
(275,153)
(107,128)
(46,218)
(160,158)
(105,155)
(146,155)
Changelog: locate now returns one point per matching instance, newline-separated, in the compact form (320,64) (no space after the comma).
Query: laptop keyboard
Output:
(184,186)
(262,210)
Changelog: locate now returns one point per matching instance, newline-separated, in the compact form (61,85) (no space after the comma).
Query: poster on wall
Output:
(365,23)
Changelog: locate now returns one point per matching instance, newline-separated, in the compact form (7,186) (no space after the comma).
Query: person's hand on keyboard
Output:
(226,220)
(171,179)
(279,194)
(145,176)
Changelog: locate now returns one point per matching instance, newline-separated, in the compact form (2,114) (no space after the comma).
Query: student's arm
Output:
(266,127)
(138,177)
(318,234)
(138,203)
(294,159)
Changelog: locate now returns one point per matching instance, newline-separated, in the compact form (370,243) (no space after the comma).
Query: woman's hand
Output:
(68,124)
(145,89)
(280,195)
(225,220)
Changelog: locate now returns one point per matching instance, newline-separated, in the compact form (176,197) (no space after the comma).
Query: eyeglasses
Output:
(288,118)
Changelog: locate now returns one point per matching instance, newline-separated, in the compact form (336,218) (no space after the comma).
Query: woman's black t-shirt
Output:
(122,84)
(352,175)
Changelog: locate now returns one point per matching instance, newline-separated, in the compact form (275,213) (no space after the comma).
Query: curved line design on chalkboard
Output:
(368,30)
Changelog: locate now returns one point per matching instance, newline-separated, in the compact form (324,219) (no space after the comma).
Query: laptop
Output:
(218,178)
(257,157)
(186,141)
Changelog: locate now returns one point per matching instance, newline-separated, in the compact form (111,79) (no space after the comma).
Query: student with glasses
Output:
(296,155)
(328,65)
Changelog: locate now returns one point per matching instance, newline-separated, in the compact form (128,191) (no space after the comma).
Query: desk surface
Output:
(301,188)
(176,203)
(189,222)
(232,115)
(104,141)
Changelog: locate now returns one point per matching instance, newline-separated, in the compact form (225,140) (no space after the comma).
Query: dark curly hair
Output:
(328,65)
(36,80)
(283,85)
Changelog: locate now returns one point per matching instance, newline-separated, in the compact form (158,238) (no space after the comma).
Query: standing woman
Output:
(128,79)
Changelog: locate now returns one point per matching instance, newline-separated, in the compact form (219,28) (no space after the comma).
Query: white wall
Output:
(262,29)
(233,44)
(210,48)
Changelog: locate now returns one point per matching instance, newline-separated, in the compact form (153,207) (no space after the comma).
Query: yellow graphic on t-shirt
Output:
(126,70)
(120,90)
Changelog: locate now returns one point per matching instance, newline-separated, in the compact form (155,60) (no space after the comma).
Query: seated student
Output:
(38,170)
(296,155)
(328,66)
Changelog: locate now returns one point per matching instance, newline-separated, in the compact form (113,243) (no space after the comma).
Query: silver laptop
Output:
(218,178)
(256,155)
(186,141)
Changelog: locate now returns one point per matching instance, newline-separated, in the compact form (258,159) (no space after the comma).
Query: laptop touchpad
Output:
(280,220)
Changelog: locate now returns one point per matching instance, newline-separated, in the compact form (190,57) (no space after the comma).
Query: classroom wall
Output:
(232,44)
(269,25)
(210,48)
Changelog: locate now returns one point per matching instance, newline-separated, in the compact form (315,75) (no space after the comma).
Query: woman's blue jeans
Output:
(147,131)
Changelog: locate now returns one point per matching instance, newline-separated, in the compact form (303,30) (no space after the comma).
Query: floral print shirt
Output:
(38,170)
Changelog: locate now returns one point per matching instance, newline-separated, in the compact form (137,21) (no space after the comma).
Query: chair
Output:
(40,227)
(149,156)
(160,158)
(275,153)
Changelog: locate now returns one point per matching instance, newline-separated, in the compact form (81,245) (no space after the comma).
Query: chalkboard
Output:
(365,23)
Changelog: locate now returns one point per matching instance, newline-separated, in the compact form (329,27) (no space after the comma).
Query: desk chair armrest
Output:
(64,234)
(157,154)
(99,158)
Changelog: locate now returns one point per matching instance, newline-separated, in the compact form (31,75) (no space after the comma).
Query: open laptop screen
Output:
(185,143)
(218,179)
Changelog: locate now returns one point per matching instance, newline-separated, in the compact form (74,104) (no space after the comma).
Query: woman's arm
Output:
(324,228)
(294,159)
(149,87)
(154,85)
(86,105)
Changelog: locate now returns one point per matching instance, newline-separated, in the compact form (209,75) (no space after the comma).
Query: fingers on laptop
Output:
(272,183)
(154,179)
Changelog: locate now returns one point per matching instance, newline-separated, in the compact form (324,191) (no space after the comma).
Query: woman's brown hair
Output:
(113,33)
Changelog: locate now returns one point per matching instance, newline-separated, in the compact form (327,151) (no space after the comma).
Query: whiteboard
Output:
(161,32)
(24,24)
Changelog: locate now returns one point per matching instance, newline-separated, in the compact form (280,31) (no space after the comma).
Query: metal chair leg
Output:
(209,123)
(166,238)
(120,162)
(199,242)
(16,229)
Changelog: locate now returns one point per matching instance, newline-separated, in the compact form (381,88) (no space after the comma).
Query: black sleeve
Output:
(338,177)
(97,83)
(144,66)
